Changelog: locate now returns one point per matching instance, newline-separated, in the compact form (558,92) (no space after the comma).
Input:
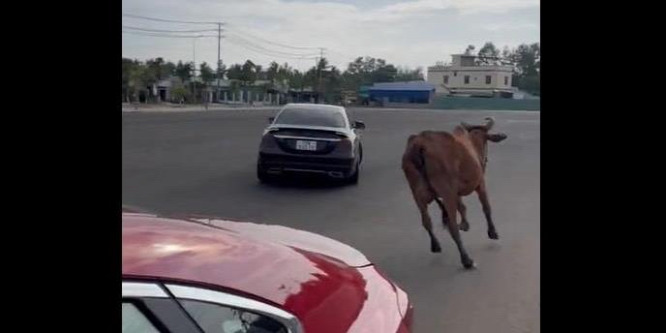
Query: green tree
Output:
(383,72)
(128,68)
(183,71)
(331,84)
(526,60)
(235,72)
(157,68)
(526,57)
(272,71)
(206,73)
(406,74)
(168,70)
(248,73)
(180,93)
(318,75)
(220,70)
(488,54)
(140,79)
(368,70)
(284,73)
(207,76)
(296,80)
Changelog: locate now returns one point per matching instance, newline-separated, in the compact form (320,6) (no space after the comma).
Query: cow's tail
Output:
(421,166)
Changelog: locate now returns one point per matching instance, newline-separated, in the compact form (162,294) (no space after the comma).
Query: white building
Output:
(465,77)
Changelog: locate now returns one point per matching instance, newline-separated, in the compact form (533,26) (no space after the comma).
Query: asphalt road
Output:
(204,162)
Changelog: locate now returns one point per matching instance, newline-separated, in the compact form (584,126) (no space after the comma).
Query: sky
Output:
(409,34)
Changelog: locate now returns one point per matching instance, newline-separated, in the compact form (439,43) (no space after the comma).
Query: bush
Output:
(180,93)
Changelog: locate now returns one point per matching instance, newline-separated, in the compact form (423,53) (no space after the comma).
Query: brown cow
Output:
(444,167)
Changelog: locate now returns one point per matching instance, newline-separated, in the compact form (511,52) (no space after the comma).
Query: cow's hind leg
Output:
(445,217)
(451,207)
(485,203)
(464,225)
(427,224)
(422,197)
(449,194)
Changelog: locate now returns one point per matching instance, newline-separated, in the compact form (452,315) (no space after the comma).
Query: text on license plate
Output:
(306,145)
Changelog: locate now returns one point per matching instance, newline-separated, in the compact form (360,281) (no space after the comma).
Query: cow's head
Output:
(480,135)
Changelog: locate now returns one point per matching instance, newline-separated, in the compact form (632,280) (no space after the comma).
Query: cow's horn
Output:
(490,121)
(466,125)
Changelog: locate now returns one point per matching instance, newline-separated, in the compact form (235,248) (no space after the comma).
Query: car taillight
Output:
(268,140)
(270,130)
(345,144)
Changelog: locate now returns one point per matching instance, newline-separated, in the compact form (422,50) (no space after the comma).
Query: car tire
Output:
(353,179)
(263,176)
(360,153)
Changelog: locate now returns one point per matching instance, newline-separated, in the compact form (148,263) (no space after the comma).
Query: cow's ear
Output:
(496,137)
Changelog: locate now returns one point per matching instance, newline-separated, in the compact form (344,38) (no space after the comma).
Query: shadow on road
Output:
(306,182)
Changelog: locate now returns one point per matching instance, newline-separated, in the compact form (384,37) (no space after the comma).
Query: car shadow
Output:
(305,182)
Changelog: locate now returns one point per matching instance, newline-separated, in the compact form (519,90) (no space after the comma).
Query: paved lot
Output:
(204,162)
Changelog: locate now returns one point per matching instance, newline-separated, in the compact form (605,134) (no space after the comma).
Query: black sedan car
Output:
(311,138)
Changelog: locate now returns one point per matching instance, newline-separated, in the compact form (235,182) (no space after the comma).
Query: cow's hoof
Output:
(492,234)
(468,263)
(435,248)
(464,226)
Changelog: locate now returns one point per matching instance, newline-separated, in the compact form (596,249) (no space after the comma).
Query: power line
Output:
(165,20)
(277,44)
(344,55)
(267,53)
(273,55)
(164,35)
(168,31)
(248,42)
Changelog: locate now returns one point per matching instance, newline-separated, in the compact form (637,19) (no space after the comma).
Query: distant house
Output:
(162,89)
(302,95)
(259,91)
(402,92)
(465,76)
(349,97)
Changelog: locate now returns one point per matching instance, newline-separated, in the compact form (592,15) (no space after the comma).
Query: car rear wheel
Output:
(263,176)
(353,179)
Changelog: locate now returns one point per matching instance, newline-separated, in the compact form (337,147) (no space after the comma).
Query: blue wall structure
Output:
(402,92)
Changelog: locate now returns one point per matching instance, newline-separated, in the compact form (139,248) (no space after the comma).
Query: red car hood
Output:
(312,276)
(299,239)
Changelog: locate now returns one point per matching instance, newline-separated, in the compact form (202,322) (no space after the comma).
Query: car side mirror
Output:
(271,119)
(359,124)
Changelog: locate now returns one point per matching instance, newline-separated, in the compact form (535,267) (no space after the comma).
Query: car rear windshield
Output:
(311,117)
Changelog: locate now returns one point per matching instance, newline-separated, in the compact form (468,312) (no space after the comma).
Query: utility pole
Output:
(321,57)
(194,69)
(219,64)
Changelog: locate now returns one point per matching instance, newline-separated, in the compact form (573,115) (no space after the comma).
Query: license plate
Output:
(306,145)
